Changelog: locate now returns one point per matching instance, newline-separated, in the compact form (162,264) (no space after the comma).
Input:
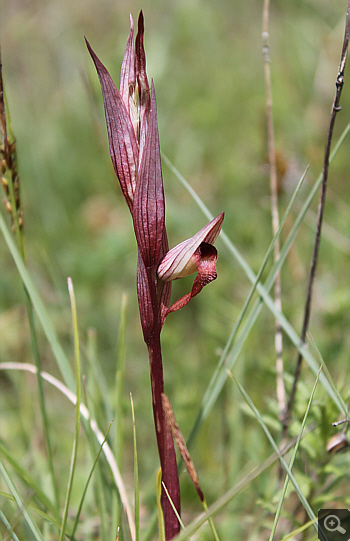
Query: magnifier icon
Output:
(332,524)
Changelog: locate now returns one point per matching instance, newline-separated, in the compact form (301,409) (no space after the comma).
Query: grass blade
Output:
(97,377)
(136,475)
(118,405)
(301,496)
(291,464)
(76,522)
(77,408)
(100,493)
(119,384)
(47,518)
(173,506)
(161,526)
(33,527)
(29,481)
(8,527)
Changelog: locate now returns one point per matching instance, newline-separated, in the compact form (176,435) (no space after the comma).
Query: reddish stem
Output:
(165,441)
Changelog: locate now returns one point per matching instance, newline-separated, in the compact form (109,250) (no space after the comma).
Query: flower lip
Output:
(180,261)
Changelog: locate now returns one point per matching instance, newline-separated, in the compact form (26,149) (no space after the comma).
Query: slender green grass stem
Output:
(119,382)
(100,493)
(21,504)
(8,527)
(173,506)
(263,425)
(77,408)
(136,475)
(76,522)
(291,464)
(118,432)
(211,522)
(161,523)
(41,397)
(29,481)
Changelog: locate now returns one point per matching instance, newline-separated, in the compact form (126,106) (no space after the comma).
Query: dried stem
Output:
(307,310)
(280,390)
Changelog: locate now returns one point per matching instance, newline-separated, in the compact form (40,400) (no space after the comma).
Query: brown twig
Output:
(307,310)
(280,390)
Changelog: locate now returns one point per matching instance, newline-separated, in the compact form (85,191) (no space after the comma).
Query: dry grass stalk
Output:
(281,394)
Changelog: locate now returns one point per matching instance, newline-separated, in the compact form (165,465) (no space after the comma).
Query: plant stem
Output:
(77,408)
(165,442)
(280,390)
(150,313)
(307,309)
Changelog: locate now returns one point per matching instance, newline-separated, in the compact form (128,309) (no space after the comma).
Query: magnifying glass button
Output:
(332,524)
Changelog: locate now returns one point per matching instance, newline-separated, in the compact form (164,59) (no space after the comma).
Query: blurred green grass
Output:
(206,63)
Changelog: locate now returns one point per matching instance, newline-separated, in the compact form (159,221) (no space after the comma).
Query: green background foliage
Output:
(206,62)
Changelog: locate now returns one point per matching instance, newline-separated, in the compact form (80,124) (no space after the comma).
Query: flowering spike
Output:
(131,116)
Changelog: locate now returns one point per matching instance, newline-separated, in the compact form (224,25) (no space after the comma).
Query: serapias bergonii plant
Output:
(131,117)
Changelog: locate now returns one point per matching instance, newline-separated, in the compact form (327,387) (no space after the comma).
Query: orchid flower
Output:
(131,118)
(191,255)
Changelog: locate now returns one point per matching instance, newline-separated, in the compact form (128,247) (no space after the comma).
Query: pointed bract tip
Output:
(91,51)
(87,43)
